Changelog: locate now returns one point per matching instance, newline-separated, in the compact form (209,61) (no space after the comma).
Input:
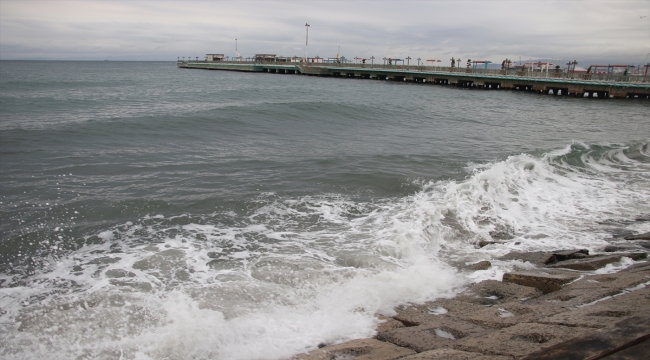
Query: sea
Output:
(152,212)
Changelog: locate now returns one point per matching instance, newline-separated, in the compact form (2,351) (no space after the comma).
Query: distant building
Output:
(264,57)
(214,57)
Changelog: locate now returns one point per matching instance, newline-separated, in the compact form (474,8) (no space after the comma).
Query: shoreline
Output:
(572,306)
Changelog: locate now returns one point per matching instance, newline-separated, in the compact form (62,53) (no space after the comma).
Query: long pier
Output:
(552,83)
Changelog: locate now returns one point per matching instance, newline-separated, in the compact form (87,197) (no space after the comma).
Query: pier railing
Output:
(636,76)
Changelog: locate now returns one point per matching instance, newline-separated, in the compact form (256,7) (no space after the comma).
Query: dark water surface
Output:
(152,212)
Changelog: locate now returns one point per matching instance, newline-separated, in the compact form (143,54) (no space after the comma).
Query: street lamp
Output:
(372,61)
(419,61)
(408,60)
(306,41)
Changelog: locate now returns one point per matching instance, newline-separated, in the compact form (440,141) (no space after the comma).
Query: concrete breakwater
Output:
(557,84)
(572,306)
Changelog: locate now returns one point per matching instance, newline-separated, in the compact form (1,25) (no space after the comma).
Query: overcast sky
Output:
(589,31)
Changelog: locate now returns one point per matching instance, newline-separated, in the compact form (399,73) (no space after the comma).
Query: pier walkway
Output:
(601,86)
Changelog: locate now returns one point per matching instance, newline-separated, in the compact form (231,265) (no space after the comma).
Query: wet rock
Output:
(213,255)
(431,311)
(118,273)
(165,261)
(481,265)
(519,340)
(567,255)
(105,260)
(602,313)
(545,282)
(625,337)
(593,287)
(134,285)
(636,256)
(362,349)
(451,354)
(644,236)
(509,314)
(484,243)
(589,264)
(503,234)
(443,332)
(493,292)
(533,257)
(388,324)
(634,352)
(619,248)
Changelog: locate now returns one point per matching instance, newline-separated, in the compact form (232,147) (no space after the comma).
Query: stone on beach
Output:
(481,265)
(520,340)
(595,263)
(545,282)
(451,354)
(361,349)
(529,314)
(601,314)
(644,236)
(628,337)
(492,292)
(443,331)
(546,258)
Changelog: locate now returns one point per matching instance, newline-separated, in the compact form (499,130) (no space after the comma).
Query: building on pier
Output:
(214,57)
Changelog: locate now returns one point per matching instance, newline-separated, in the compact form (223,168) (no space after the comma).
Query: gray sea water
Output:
(150,212)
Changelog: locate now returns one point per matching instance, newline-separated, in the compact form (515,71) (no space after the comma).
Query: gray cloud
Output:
(590,31)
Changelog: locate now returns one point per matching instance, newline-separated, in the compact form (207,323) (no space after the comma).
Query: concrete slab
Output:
(594,287)
(534,257)
(644,236)
(444,333)
(362,349)
(544,282)
(635,352)
(388,324)
(451,354)
(519,340)
(509,314)
(430,312)
(493,292)
(604,343)
(481,265)
(588,264)
(603,313)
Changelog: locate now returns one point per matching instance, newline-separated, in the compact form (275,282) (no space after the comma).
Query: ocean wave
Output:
(288,273)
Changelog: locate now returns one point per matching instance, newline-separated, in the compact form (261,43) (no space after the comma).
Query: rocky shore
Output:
(564,309)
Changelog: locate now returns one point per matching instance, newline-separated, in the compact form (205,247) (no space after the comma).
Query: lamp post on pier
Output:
(306,41)
(408,60)
(372,61)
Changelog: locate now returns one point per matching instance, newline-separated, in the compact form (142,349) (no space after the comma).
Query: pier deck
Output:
(554,83)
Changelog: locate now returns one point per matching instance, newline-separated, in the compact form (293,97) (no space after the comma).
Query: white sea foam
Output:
(303,271)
